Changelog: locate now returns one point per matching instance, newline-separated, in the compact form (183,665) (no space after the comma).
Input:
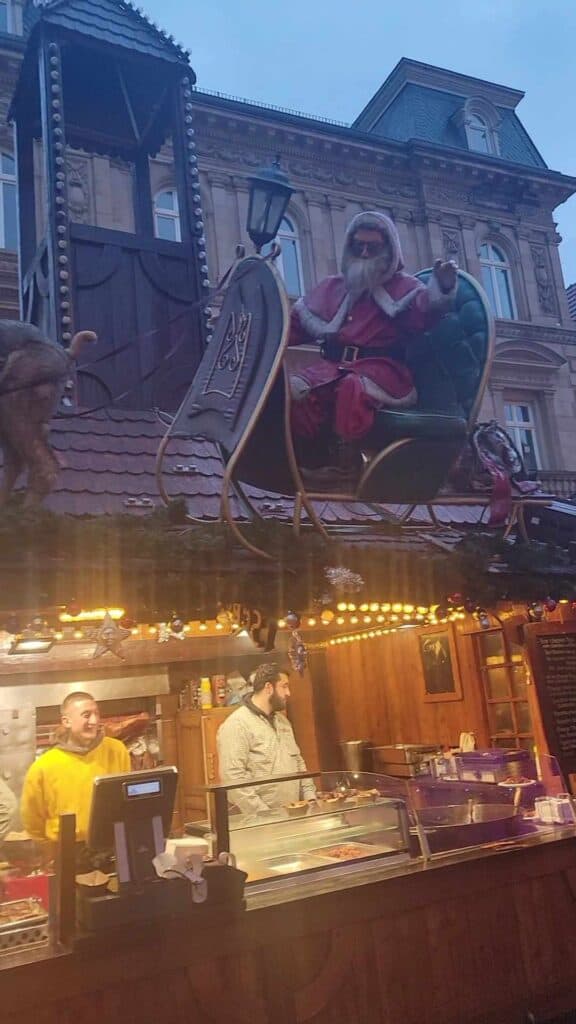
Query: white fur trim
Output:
(315,325)
(439,300)
(384,399)
(299,387)
(393,307)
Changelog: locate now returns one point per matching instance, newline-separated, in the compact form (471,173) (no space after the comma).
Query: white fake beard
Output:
(363,275)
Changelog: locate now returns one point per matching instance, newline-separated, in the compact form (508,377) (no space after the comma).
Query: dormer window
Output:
(478,134)
(480,122)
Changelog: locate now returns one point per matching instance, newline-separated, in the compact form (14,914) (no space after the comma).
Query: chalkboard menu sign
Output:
(553,658)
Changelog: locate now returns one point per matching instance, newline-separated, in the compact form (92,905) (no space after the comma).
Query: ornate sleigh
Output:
(240,400)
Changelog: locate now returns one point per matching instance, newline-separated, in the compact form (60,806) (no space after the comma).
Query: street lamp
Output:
(270,193)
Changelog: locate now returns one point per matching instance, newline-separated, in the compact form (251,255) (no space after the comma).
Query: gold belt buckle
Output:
(350,354)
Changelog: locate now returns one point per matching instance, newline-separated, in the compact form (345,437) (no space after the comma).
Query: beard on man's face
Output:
(365,275)
(277,703)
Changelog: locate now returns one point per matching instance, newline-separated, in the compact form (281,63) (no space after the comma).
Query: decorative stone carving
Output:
(544,280)
(77,173)
(451,245)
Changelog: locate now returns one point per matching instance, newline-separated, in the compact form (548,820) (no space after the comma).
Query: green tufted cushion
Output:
(449,374)
(431,426)
(447,365)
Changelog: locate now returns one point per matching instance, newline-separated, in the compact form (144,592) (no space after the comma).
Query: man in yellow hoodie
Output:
(61,780)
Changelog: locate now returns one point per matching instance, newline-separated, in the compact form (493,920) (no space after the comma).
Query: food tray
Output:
(341,852)
(21,913)
(292,865)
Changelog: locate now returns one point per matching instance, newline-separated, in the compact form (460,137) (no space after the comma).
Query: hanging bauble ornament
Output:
(176,624)
(440,612)
(536,611)
(74,608)
(550,604)
(483,618)
(470,605)
(327,616)
(292,620)
(127,623)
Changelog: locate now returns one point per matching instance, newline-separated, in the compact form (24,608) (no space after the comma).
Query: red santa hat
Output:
(375,221)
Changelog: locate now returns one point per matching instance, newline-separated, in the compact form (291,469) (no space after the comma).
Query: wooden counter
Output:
(482,939)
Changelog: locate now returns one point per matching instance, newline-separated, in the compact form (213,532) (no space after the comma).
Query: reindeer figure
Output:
(33,371)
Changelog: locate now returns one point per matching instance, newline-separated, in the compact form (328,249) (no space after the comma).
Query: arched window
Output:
(167,215)
(479,134)
(480,121)
(497,281)
(289,262)
(8,203)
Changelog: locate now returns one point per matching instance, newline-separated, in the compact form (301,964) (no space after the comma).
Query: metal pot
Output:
(355,755)
(458,825)
(464,815)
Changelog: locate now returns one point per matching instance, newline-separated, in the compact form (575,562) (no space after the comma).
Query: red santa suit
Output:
(344,389)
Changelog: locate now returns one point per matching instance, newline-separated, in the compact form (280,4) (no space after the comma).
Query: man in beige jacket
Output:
(256,741)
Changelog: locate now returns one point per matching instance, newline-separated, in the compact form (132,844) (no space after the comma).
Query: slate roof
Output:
(118,22)
(425,114)
(108,468)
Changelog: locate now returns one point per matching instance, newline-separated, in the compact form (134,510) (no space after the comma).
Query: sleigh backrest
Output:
(463,343)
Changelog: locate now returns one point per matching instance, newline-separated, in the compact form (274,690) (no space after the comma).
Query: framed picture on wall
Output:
(440,665)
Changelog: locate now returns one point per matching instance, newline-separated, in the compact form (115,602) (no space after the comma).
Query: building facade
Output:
(571,296)
(445,155)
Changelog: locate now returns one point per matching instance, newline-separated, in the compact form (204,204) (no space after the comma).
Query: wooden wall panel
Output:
(375,691)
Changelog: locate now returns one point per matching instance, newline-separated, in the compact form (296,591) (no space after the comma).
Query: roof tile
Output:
(108,466)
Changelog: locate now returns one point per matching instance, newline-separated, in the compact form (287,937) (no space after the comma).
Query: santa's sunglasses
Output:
(358,248)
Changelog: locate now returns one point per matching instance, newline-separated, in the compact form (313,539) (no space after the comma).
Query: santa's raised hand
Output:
(445,274)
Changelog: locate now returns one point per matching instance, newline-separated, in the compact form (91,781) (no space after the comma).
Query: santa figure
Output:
(362,320)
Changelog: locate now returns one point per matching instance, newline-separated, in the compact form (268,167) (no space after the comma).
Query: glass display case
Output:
(355,818)
(25,896)
(496,797)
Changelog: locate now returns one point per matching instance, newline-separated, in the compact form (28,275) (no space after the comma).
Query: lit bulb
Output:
(354,619)
(422,609)
(219,626)
(374,607)
(351,607)
(311,622)
(393,618)
(409,608)
(135,631)
(281,624)
(363,607)
(397,607)
(379,618)
(187,628)
(58,636)
(78,634)
(203,627)
(339,621)
(385,607)
(367,619)
(342,606)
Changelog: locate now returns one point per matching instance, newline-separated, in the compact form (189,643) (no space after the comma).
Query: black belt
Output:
(335,352)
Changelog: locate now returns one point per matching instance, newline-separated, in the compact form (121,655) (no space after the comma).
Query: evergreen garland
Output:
(160,563)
